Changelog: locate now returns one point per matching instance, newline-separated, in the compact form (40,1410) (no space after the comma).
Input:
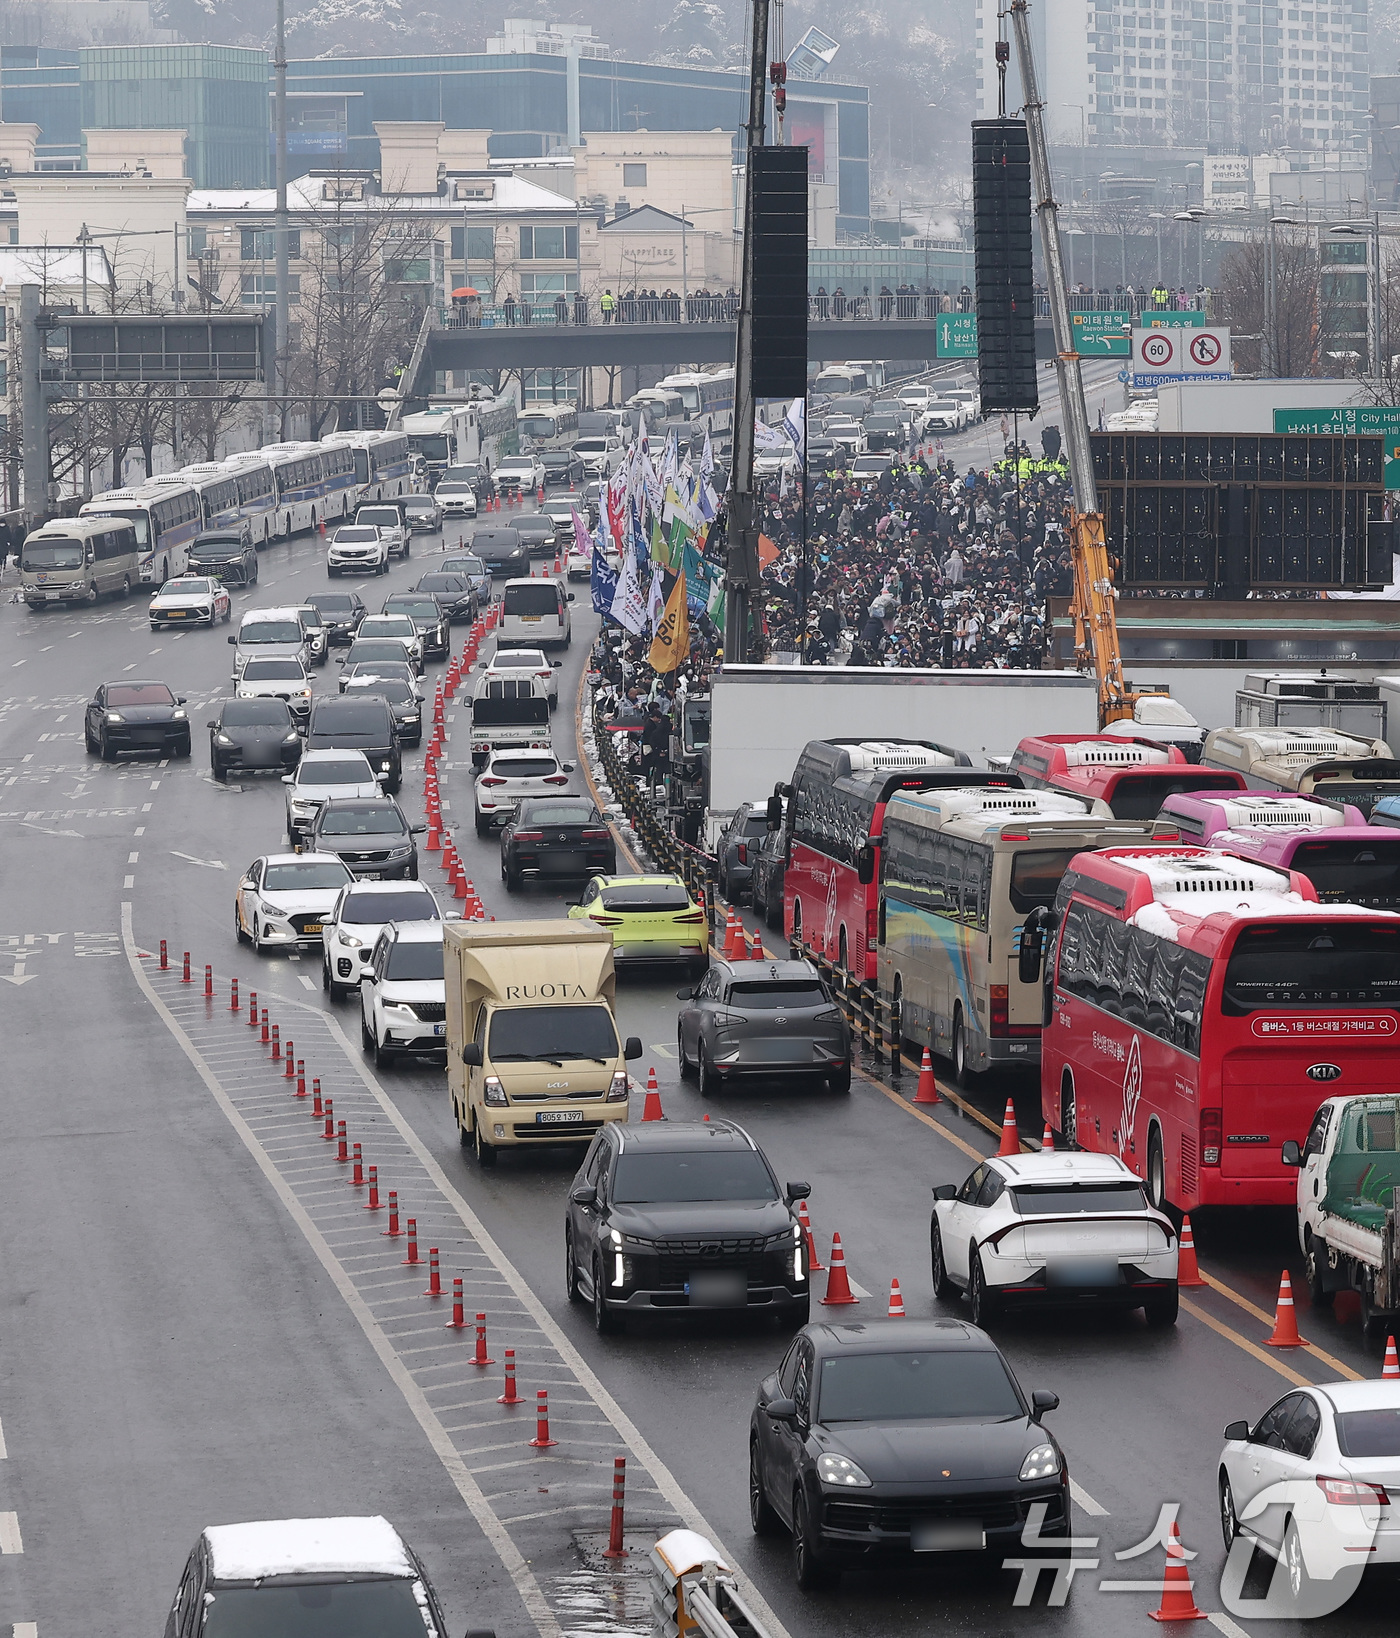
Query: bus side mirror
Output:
(1032,951)
(775,813)
(865,864)
(1291,1154)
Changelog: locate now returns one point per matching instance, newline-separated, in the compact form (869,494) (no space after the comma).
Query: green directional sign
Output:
(955,335)
(1102,335)
(1352,421)
(1171,318)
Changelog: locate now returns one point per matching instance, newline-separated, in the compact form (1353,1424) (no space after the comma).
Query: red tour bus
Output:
(1199,1009)
(835,816)
(1133,776)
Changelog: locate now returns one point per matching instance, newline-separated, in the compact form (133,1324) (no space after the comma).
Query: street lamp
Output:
(1271,360)
(1352,230)
(1083,138)
(1195,215)
(1157,217)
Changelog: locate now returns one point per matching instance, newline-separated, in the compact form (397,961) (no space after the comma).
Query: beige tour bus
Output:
(961,868)
(78,560)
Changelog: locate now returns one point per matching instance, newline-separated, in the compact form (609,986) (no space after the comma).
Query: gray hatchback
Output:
(749,1018)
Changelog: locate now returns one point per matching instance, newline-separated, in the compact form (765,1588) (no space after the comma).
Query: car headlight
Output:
(177,716)
(1042,1463)
(115,716)
(222,739)
(493,1092)
(383,767)
(833,1469)
(617,1091)
(349,942)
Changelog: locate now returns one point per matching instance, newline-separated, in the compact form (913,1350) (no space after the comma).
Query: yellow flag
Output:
(671,643)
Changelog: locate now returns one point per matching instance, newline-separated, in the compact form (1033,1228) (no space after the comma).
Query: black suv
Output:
(341,613)
(675,1216)
(369,835)
(738,849)
(227,554)
(901,1440)
(551,837)
(348,724)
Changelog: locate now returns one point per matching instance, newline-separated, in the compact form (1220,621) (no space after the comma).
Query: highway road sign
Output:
(1165,351)
(955,335)
(1102,335)
(1353,421)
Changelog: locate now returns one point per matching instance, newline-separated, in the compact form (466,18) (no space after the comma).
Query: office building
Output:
(1191,73)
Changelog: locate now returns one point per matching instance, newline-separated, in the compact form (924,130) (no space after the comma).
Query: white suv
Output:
(360,914)
(524,474)
(403,998)
(600,454)
(357,548)
(389,520)
(509,775)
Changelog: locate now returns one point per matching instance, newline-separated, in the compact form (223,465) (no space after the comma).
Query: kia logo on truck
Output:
(1324,1072)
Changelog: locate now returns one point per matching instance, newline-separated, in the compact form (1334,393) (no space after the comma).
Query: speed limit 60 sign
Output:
(1162,354)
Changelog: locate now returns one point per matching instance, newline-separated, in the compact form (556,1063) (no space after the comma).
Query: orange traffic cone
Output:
(814,1263)
(651,1110)
(1391,1367)
(927,1091)
(756,946)
(838,1284)
(1010,1137)
(1047,1140)
(896,1302)
(733,938)
(1188,1272)
(1177,1604)
(1285,1319)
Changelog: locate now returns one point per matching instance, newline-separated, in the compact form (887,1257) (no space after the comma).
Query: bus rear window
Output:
(1352,872)
(1141,795)
(1313,964)
(1036,875)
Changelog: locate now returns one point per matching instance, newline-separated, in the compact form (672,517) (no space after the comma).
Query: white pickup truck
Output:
(508,713)
(1349,1169)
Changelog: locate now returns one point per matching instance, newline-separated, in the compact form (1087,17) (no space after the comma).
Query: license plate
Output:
(557,1117)
(174,614)
(724,1288)
(1082,1271)
(313,927)
(52,597)
(439,1029)
(947,1536)
(531,619)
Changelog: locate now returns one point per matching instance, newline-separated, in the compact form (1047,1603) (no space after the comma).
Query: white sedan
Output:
(1054,1227)
(523,662)
(1313,1482)
(189,599)
(578,565)
(510,775)
(361,913)
(284,898)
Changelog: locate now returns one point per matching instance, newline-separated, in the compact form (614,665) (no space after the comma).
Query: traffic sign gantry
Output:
(1352,421)
(955,335)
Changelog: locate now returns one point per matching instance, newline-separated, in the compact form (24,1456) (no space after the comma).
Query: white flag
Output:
(795,425)
(629,606)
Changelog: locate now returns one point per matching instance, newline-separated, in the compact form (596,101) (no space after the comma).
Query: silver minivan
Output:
(534,613)
(78,560)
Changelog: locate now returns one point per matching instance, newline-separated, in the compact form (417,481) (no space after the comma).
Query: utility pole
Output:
(33,413)
(280,229)
(741,562)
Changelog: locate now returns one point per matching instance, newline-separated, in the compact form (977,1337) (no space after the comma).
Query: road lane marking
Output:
(1222,1623)
(128,881)
(310,983)
(928,1120)
(9,1534)
(4,1452)
(1231,1335)
(1085,1500)
(133,858)
(457,1230)
(25,1629)
(1264,1318)
(661,1051)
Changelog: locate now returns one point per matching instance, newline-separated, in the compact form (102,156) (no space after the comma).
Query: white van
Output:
(534,613)
(78,560)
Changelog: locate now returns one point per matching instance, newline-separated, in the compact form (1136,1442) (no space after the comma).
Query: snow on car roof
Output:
(369,1546)
(1062,1166)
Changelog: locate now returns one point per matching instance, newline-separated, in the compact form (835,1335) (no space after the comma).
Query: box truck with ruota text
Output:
(533,1054)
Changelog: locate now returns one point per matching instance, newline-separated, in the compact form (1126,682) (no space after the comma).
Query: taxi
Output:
(189,599)
(651,918)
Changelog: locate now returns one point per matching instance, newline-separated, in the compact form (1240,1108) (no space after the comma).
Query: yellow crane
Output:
(1096,645)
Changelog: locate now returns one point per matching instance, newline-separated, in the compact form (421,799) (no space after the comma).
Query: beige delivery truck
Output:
(533,1054)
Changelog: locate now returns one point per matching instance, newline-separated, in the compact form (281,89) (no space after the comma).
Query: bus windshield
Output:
(431,448)
(53,554)
(1313,963)
(138,518)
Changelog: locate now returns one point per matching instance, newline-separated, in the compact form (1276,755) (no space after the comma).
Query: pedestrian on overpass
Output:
(607,304)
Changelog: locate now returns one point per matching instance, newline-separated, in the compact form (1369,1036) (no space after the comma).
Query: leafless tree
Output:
(1302,315)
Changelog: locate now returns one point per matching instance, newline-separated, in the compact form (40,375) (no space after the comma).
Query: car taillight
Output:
(690,918)
(529,836)
(597,835)
(1210,1137)
(1352,1492)
(556,779)
(490,779)
(617,1092)
(1000,1013)
(743,852)
(608,921)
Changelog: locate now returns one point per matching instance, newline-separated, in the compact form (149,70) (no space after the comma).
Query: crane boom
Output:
(1096,643)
